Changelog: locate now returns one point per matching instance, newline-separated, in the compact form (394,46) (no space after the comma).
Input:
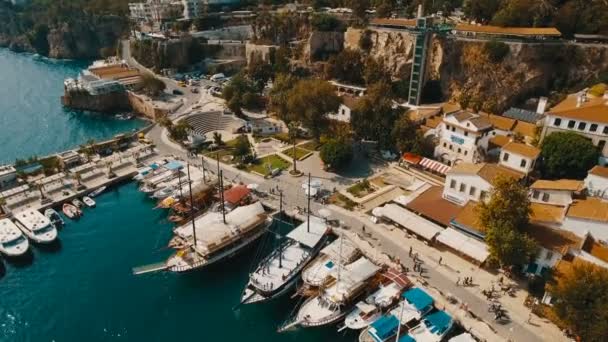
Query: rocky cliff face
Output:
(320,44)
(468,75)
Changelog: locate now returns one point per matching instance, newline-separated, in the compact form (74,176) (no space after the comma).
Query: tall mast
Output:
(222,195)
(308,209)
(191,206)
(340,257)
(280,213)
(203,164)
(179,180)
(399,319)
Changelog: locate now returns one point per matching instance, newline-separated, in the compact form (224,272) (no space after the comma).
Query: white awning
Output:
(411,221)
(341,249)
(465,337)
(434,165)
(309,238)
(467,245)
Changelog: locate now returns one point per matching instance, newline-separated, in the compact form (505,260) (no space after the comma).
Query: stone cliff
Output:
(467,73)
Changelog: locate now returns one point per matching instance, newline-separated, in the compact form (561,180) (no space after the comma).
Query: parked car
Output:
(177,92)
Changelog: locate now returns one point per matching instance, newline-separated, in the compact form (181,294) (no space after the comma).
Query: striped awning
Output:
(434,165)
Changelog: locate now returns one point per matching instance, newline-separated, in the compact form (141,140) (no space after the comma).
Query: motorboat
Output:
(77,203)
(370,309)
(163,193)
(335,301)
(279,271)
(97,191)
(320,270)
(12,241)
(210,239)
(88,201)
(71,211)
(54,217)
(36,226)
(433,328)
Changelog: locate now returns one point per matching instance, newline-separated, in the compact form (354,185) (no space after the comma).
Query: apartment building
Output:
(463,136)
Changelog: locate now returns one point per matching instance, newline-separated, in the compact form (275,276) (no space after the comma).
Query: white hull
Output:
(355,321)
(45,238)
(89,202)
(16,251)
(250,296)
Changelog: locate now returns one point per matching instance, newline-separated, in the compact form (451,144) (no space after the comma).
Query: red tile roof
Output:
(236,194)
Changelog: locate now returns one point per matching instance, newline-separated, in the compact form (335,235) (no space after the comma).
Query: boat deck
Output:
(278,269)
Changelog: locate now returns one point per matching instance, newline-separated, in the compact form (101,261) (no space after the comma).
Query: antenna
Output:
(222,195)
(308,209)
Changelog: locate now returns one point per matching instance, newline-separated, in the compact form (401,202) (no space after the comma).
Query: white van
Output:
(218,77)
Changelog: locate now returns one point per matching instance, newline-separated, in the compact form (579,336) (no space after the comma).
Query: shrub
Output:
(496,50)
(336,154)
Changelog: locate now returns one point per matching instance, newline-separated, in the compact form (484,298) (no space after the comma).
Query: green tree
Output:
(241,147)
(581,300)
(385,8)
(326,22)
(375,71)
(180,131)
(567,155)
(151,85)
(373,116)
(504,217)
(347,66)
(217,138)
(281,86)
(309,102)
(496,50)
(294,128)
(336,154)
(481,10)
(407,138)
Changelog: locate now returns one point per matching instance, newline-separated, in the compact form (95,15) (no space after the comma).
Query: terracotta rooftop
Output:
(488,172)
(525,128)
(432,205)
(481,122)
(600,171)
(500,140)
(463,115)
(512,31)
(593,109)
(546,213)
(236,194)
(557,240)
(450,107)
(522,149)
(394,22)
(349,101)
(433,121)
(589,209)
(595,248)
(469,217)
(500,122)
(560,184)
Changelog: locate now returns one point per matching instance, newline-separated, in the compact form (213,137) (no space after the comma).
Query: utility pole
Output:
(191,206)
(280,213)
(308,209)
(179,180)
(222,196)
(203,164)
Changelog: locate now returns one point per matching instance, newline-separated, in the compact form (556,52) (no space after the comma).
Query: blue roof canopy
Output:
(418,298)
(438,322)
(384,327)
(406,338)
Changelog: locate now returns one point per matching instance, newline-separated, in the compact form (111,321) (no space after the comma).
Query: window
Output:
(453,129)
(557,122)
(571,123)
(581,126)
(466,134)
(452,184)
(459,150)
(445,144)
(535,194)
(605,130)
(466,152)
(593,128)
(451,148)
(545,197)
(505,157)
(523,163)
(483,195)
(472,191)
(462,187)
(601,144)
(447,127)
(549,255)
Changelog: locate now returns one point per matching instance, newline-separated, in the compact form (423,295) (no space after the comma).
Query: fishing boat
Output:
(12,241)
(36,226)
(54,217)
(71,211)
(415,304)
(97,191)
(211,238)
(320,270)
(335,301)
(88,201)
(164,192)
(279,271)
(370,309)
(433,328)
(77,203)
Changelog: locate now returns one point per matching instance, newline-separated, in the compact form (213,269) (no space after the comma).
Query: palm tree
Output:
(217,138)
(293,135)
(110,171)
(78,178)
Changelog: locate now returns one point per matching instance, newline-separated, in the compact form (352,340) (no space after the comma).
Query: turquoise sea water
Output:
(32,119)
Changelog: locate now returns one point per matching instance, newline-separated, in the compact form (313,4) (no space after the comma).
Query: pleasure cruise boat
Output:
(335,301)
(217,240)
(369,310)
(433,328)
(319,271)
(12,241)
(36,226)
(156,183)
(54,217)
(279,271)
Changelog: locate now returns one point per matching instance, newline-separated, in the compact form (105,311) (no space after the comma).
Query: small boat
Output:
(97,191)
(12,241)
(77,203)
(53,215)
(163,193)
(89,202)
(71,211)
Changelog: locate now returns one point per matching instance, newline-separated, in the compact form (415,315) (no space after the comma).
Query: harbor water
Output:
(32,119)
(84,290)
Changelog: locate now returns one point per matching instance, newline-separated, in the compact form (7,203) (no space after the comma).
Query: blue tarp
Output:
(418,298)
(438,322)
(384,327)
(173,165)
(329,264)
(406,338)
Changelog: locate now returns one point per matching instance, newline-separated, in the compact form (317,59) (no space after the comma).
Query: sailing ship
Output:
(279,271)
(320,270)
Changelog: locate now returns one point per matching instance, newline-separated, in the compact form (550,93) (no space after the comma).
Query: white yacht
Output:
(319,271)
(36,226)
(157,182)
(12,241)
(370,309)
(279,271)
(335,301)
(217,240)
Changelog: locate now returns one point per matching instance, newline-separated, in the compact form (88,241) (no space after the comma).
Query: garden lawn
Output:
(275,162)
(300,152)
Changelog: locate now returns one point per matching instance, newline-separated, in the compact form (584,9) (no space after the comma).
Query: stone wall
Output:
(107,103)
(259,52)
(320,44)
(142,105)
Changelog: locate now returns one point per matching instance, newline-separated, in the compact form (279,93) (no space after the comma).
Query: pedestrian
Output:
(363,228)
(440,259)
(458,281)
(410,253)
(529,318)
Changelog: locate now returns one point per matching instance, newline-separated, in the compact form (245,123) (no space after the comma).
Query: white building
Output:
(155,10)
(8,175)
(581,113)
(463,137)
(519,157)
(597,182)
(473,182)
(345,109)
(555,192)
(588,215)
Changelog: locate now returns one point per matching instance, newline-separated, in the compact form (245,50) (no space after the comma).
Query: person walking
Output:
(410,253)
(440,260)
(458,281)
